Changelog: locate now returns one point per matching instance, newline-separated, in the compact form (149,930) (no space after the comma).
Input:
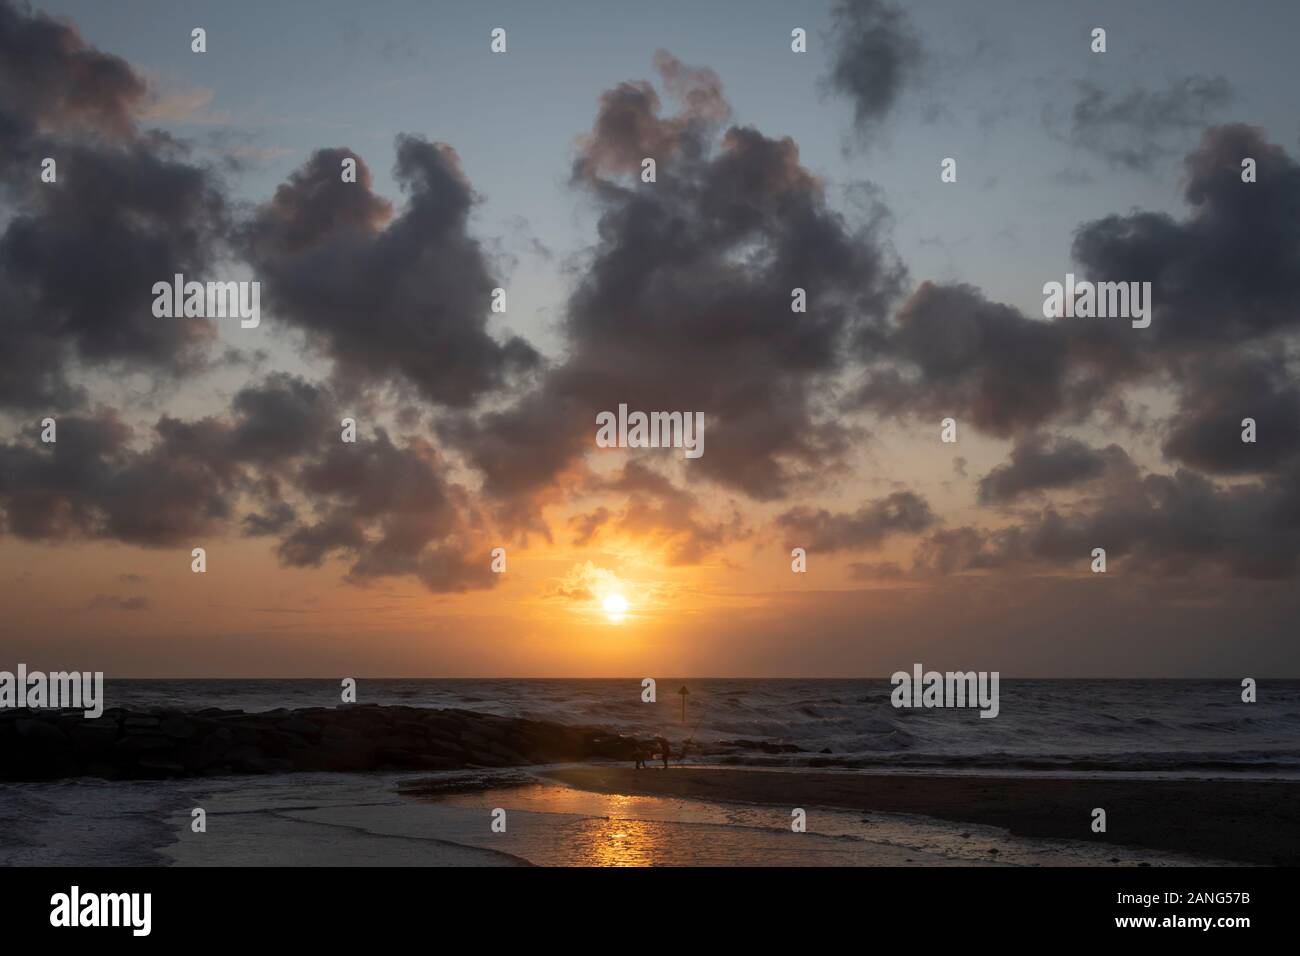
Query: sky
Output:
(522,171)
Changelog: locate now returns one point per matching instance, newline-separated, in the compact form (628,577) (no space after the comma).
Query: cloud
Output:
(1225,284)
(1134,130)
(658,515)
(585,526)
(681,303)
(1040,463)
(685,301)
(275,467)
(281,418)
(51,81)
(182,106)
(79,257)
(1218,393)
(383,295)
(875,54)
(1229,273)
(277,519)
(1161,525)
(952,352)
(385,507)
(586,583)
(91,483)
(817,529)
(629,126)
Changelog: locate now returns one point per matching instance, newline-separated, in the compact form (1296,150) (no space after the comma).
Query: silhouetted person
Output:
(663,749)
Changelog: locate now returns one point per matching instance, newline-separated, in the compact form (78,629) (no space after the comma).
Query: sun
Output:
(615,608)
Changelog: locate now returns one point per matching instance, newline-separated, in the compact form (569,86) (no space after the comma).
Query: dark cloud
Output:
(1134,130)
(281,418)
(817,529)
(1161,525)
(685,303)
(79,257)
(953,353)
(308,545)
(91,483)
(1225,278)
(1039,463)
(389,510)
(874,55)
(1218,393)
(278,518)
(682,303)
(954,550)
(522,449)
(51,81)
(1230,272)
(384,296)
(276,467)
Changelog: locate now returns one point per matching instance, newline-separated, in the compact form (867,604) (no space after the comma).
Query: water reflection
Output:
(620,843)
(554,825)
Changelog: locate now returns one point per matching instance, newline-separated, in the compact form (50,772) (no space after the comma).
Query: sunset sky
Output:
(476,430)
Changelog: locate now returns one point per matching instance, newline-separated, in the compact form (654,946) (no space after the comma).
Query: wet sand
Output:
(1243,821)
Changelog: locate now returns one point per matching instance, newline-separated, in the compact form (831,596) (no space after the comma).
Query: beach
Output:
(416,777)
(601,816)
(1256,822)
(606,815)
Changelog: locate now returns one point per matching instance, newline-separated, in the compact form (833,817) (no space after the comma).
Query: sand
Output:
(1247,821)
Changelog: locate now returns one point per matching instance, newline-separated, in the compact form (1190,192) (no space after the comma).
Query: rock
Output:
(93,735)
(212,749)
(41,733)
(162,742)
(302,727)
(136,744)
(178,728)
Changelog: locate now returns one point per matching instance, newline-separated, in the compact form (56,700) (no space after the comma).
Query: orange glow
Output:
(615,608)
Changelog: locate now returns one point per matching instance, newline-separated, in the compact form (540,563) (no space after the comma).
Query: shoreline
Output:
(1255,822)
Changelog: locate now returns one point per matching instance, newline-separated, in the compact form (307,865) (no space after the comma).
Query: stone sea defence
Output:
(161,743)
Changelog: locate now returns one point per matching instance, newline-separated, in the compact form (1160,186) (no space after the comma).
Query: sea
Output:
(1141,728)
(1168,726)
